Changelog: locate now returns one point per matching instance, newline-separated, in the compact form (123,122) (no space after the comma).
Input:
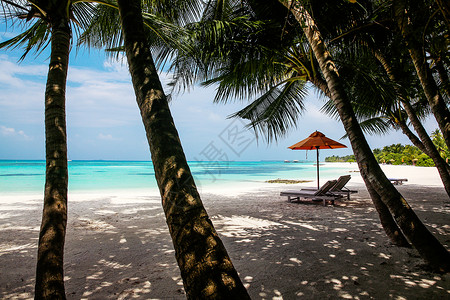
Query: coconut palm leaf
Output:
(374,126)
(217,46)
(36,29)
(164,35)
(36,37)
(277,110)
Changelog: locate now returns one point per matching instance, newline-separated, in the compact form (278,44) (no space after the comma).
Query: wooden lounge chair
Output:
(339,188)
(397,181)
(320,194)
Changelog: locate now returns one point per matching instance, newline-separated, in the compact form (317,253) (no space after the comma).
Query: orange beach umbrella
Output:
(317,140)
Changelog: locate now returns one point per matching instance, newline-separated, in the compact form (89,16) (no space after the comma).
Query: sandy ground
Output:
(118,246)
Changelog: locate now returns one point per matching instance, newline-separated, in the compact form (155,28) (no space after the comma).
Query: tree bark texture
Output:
(434,97)
(412,137)
(388,223)
(205,266)
(49,271)
(414,230)
(443,76)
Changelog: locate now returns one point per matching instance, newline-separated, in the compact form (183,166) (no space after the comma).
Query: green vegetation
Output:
(397,154)
(287,181)
(334,158)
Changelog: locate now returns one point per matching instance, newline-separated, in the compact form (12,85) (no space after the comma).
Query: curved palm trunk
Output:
(426,145)
(321,85)
(49,271)
(443,76)
(414,230)
(442,167)
(437,103)
(434,97)
(444,7)
(205,266)
(388,223)
(411,136)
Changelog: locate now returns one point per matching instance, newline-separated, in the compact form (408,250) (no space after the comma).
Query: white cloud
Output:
(107,137)
(8,131)
(22,91)
(215,117)
(102,100)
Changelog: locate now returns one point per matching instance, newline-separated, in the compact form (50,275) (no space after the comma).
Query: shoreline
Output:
(422,176)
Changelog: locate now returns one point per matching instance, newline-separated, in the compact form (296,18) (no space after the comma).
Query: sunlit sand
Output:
(118,245)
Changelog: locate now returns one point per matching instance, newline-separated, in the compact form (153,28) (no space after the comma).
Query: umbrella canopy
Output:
(317,140)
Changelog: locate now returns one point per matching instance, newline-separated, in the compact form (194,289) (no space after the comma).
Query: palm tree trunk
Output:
(434,97)
(388,223)
(437,103)
(49,271)
(414,230)
(444,7)
(411,136)
(321,85)
(426,145)
(443,76)
(205,266)
(431,150)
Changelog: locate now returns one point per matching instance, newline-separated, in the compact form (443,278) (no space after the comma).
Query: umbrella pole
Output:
(317,150)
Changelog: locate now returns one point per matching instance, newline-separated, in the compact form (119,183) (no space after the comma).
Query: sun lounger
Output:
(339,187)
(397,181)
(320,194)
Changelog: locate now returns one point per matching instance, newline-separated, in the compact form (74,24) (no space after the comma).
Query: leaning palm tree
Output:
(379,39)
(49,22)
(380,188)
(419,236)
(205,266)
(413,19)
(384,101)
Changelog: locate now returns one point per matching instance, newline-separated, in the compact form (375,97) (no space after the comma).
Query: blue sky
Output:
(103,120)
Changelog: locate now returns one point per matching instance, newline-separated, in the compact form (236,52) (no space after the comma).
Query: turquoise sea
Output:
(28,176)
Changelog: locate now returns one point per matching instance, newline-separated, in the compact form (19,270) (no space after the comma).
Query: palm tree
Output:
(419,236)
(412,18)
(383,43)
(205,266)
(378,110)
(425,144)
(52,26)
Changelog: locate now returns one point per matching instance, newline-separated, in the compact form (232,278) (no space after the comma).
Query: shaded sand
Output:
(118,246)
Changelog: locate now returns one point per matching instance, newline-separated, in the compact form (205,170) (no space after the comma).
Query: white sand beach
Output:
(118,245)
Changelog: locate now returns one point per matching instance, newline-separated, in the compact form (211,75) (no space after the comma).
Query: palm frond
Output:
(374,126)
(214,46)
(36,37)
(177,12)
(277,110)
(103,30)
